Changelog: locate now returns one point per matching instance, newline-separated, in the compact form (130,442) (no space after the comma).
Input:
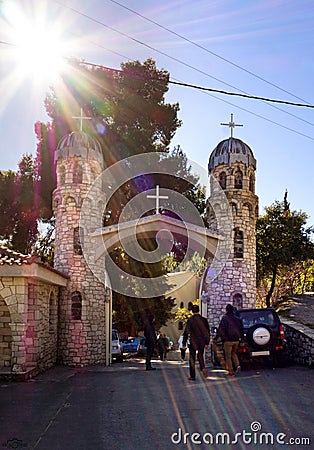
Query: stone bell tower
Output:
(82,318)
(232,169)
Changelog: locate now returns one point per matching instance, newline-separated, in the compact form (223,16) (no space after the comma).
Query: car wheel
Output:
(259,336)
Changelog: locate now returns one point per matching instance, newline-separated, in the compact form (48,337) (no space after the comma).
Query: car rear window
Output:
(250,318)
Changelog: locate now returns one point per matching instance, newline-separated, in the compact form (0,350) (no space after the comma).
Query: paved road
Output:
(123,407)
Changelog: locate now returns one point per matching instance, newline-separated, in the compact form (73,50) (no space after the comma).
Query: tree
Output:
(282,241)
(129,116)
(19,206)
(183,314)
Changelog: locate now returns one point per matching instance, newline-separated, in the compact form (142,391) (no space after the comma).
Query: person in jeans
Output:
(197,329)
(231,332)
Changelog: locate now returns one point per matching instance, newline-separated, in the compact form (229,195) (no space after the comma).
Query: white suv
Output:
(117,349)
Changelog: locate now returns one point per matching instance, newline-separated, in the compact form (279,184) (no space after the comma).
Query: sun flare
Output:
(38,48)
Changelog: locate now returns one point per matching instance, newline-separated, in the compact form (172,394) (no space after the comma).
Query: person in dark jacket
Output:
(231,332)
(197,329)
(151,340)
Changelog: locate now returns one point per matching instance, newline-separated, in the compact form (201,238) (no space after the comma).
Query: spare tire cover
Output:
(259,335)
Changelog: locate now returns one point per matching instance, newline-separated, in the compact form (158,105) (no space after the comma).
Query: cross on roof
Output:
(157,197)
(81,117)
(231,125)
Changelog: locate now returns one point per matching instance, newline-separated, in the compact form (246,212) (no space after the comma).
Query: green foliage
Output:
(183,314)
(44,246)
(195,264)
(130,313)
(19,206)
(283,240)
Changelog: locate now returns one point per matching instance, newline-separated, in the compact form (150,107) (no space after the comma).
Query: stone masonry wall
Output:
(33,323)
(300,342)
(41,330)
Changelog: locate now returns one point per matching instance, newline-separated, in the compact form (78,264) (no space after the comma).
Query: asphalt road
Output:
(123,407)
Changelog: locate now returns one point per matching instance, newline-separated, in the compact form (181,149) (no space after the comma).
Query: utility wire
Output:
(206,91)
(206,49)
(201,88)
(173,58)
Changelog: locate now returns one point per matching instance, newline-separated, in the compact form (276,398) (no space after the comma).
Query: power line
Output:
(175,59)
(237,94)
(206,50)
(218,91)
(207,91)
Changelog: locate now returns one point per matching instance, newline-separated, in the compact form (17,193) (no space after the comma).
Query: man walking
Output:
(231,331)
(197,330)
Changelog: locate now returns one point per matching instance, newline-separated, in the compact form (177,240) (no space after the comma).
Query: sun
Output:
(38,48)
(39,52)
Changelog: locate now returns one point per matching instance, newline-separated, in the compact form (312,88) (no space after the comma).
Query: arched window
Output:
(238,243)
(181,305)
(77,173)
(180,325)
(238,179)
(223,180)
(237,301)
(76,305)
(77,242)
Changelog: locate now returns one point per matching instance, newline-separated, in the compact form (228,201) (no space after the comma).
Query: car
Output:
(263,335)
(116,348)
(142,349)
(131,345)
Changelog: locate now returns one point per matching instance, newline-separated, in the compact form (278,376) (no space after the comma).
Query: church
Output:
(64,314)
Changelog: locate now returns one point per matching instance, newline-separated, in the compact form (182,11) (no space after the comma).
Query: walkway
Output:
(123,407)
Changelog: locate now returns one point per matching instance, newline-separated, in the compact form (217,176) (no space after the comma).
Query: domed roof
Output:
(81,144)
(230,151)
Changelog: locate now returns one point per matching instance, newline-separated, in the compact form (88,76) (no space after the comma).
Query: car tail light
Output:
(278,347)
(242,349)
(282,333)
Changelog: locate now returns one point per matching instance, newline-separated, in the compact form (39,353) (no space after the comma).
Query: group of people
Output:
(197,336)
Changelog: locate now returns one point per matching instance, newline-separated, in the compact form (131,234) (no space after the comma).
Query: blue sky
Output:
(214,44)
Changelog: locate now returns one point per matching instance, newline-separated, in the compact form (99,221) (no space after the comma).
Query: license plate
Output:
(261,353)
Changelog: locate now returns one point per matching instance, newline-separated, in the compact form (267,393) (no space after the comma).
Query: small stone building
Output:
(29,298)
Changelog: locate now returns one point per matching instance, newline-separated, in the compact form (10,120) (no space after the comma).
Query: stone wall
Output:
(300,342)
(28,324)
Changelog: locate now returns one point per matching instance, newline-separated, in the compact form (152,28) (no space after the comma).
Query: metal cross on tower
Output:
(81,118)
(157,197)
(231,125)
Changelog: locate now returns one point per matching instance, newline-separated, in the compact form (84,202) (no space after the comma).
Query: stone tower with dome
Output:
(82,329)
(232,169)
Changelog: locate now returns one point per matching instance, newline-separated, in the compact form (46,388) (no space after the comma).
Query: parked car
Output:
(117,350)
(131,345)
(142,349)
(263,335)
